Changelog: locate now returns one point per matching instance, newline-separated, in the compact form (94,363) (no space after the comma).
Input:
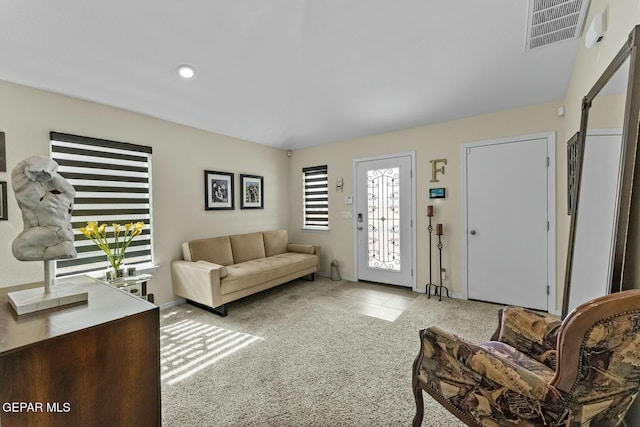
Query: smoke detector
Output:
(552,21)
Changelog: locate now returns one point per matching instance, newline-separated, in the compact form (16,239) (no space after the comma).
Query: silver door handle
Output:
(472,232)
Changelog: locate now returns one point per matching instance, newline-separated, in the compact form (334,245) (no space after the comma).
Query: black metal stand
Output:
(440,286)
(428,290)
(437,289)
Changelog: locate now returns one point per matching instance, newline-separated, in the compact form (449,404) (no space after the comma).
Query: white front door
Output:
(384,205)
(507,222)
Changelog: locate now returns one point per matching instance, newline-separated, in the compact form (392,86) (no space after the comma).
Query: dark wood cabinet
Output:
(95,363)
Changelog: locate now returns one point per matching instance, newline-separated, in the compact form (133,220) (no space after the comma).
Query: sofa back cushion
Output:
(275,242)
(247,247)
(215,249)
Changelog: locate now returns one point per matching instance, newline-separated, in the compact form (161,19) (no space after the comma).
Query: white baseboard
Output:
(325,274)
(172,304)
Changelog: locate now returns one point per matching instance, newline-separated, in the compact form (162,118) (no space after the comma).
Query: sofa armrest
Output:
(222,270)
(198,281)
(531,332)
(305,249)
(457,360)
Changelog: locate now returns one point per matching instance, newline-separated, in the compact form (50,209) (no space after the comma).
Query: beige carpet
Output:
(282,358)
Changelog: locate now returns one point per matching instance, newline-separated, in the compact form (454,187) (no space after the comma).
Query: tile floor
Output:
(386,302)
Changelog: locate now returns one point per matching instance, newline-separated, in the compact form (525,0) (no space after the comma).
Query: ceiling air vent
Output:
(552,21)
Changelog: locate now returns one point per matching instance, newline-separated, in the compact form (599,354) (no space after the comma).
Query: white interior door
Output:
(384,220)
(507,222)
(594,240)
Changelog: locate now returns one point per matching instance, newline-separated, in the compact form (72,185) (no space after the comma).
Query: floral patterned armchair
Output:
(538,370)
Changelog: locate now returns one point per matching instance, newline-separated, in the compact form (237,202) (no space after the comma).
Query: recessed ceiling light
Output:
(186,71)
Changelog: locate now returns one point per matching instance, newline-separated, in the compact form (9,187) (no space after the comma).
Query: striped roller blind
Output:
(316,197)
(113,185)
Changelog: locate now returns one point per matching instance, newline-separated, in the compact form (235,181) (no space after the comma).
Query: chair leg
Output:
(417,394)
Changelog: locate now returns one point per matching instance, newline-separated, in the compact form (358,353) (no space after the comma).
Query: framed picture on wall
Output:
(218,190)
(3,154)
(252,196)
(3,201)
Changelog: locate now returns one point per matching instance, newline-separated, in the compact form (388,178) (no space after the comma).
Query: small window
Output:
(113,185)
(316,198)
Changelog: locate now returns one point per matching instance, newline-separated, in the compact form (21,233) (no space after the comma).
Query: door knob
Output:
(472,232)
(360,228)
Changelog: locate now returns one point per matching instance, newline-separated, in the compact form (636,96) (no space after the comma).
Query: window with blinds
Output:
(113,185)
(316,197)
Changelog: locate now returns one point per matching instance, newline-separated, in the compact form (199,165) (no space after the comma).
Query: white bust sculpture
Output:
(46,201)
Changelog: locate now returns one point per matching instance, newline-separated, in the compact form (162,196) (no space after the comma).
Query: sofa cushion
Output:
(251,273)
(275,242)
(215,249)
(247,247)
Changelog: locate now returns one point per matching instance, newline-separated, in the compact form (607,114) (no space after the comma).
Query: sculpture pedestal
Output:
(32,300)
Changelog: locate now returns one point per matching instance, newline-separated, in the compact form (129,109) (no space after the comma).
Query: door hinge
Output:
(548,161)
(548,225)
(412,272)
(548,289)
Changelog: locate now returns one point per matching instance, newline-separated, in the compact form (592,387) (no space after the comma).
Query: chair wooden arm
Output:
(582,334)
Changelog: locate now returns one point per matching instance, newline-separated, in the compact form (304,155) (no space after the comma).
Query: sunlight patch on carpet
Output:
(189,346)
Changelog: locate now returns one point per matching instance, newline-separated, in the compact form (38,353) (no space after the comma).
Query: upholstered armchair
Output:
(537,370)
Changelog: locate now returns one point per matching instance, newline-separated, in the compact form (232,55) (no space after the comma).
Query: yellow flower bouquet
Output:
(122,236)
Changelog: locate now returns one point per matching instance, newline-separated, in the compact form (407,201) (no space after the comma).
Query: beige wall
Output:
(442,140)
(180,155)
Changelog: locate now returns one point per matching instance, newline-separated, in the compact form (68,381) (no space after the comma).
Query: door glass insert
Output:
(383,210)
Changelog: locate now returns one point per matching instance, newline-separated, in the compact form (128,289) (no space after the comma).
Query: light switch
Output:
(348,200)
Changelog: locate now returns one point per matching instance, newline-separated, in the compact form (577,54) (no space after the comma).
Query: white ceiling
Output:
(286,73)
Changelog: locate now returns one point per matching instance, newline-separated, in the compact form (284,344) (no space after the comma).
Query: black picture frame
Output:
(251,192)
(218,190)
(4,215)
(572,147)
(3,154)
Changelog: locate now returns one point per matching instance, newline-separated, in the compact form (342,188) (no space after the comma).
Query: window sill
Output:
(315,230)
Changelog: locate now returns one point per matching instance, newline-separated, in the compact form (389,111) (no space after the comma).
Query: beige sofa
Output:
(219,270)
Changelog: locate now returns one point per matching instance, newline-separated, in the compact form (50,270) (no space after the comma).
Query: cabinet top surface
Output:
(105,304)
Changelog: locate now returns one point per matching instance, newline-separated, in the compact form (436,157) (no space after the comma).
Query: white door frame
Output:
(411,154)
(551,210)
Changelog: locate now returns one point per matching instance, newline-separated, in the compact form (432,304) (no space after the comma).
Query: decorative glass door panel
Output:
(383,223)
(383,210)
